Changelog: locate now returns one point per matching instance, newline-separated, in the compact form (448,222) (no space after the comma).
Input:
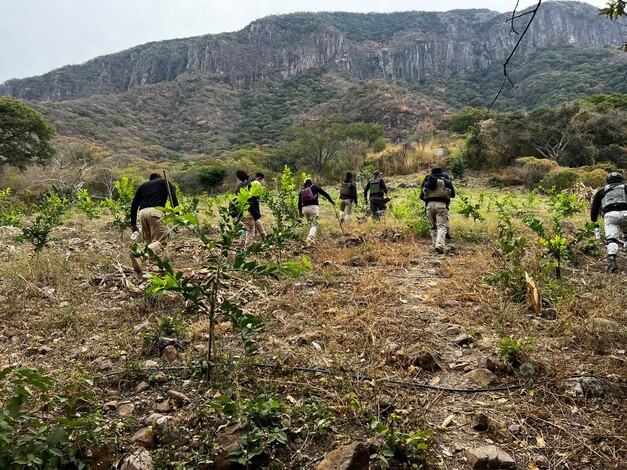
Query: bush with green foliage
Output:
(469,209)
(43,427)
(261,420)
(120,206)
(407,447)
(511,276)
(84,203)
(37,232)
(561,180)
(458,166)
(411,211)
(513,350)
(8,215)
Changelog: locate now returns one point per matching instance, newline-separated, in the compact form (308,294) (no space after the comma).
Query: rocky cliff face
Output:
(409,46)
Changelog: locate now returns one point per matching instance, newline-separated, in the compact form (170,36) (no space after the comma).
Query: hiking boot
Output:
(439,249)
(137,263)
(310,242)
(612,267)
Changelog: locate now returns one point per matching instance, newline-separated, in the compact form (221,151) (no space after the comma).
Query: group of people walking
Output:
(436,191)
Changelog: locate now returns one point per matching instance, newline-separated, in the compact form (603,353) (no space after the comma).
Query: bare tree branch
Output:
(506,77)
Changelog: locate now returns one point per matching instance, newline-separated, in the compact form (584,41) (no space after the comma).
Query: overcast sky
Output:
(37,36)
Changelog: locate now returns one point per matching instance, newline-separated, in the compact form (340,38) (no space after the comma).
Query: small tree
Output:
(208,296)
(211,177)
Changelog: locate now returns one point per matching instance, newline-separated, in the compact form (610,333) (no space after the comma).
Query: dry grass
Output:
(362,310)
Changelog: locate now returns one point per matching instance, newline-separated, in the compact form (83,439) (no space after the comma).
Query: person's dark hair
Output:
(437,171)
(308,182)
(349,176)
(259,175)
(154,176)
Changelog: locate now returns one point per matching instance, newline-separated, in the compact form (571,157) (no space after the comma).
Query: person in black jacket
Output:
(378,195)
(437,190)
(252,222)
(611,202)
(153,193)
(348,196)
(309,207)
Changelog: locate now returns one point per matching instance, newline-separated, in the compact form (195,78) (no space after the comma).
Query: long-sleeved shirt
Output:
(383,190)
(153,193)
(595,209)
(316,190)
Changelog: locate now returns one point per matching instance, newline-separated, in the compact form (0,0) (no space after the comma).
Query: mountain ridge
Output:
(390,46)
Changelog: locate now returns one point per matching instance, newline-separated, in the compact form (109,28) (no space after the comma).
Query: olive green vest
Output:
(345,189)
(375,186)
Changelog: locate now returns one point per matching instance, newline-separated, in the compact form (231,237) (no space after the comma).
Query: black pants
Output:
(377,204)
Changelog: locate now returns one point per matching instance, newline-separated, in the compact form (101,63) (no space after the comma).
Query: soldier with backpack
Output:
(308,206)
(378,192)
(437,190)
(348,196)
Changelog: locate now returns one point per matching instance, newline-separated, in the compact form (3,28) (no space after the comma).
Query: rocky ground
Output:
(379,329)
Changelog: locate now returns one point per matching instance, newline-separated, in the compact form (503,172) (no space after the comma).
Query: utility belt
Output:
(438,199)
(376,195)
(616,208)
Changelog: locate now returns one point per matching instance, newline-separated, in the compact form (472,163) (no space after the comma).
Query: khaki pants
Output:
(346,209)
(253,226)
(312,215)
(154,231)
(437,213)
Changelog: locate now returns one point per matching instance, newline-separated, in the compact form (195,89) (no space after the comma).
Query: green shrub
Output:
(502,180)
(561,180)
(41,427)
(458,166)
(532,170)
(411,212)
(513,350)
(594,178)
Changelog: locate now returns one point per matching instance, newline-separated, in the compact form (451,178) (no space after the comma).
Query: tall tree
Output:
(25,136)
(322,141)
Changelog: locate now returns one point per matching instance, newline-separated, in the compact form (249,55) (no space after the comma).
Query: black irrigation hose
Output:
(359,378)
(366,378)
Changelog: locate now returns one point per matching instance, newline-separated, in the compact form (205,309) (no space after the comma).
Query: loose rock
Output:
(491,456)
(484,377)
(145,437)
(178,397)
(463,339)
(140,460)
(170,354)
(426,361)
(126,409)
(350,457)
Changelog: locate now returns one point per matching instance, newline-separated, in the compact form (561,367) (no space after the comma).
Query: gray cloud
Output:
(37,36)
